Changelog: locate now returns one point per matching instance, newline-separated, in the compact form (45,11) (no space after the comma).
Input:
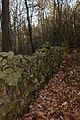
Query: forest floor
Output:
(60,98)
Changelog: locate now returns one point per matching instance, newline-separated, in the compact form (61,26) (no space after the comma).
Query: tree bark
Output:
(6,43)
(29,26)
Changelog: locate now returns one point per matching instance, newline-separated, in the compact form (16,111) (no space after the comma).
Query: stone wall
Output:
(21,77)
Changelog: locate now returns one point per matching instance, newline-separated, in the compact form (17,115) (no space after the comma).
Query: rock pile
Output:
(21,76)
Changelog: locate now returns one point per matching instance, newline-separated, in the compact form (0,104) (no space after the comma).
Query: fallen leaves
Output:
(60,99)
(64,104)
(40,115)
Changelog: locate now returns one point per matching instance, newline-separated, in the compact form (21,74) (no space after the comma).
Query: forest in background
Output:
(39,41)
(27,24)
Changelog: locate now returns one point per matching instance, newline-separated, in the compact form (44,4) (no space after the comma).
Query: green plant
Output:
(65,47)
(44,47)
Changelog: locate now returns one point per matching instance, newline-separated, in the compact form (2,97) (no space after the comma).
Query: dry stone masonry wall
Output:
(21,76)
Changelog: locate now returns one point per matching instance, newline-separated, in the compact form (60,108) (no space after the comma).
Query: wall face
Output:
(21,76)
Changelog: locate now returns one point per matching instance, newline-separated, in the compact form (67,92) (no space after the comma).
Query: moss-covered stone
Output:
(20,76)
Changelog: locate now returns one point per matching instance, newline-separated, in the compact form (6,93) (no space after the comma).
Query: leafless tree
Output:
(6,42)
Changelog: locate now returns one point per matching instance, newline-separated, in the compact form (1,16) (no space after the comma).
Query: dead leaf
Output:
(65,104)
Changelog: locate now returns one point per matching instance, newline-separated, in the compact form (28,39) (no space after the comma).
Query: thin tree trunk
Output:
(29,27)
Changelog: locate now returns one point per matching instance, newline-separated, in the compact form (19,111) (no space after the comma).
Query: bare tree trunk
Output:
(6,43)
(59,22)
(29,27)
